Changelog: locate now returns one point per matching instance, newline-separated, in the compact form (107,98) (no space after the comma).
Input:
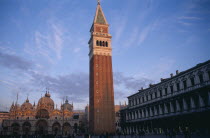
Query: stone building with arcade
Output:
(179,104)
(43,118)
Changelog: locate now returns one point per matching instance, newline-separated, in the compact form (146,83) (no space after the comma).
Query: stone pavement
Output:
(148,136)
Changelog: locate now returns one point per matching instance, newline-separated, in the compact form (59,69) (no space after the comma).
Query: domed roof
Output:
(68,106)
(46,102)
(26,105)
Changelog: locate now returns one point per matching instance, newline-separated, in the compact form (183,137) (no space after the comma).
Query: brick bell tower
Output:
(101,91)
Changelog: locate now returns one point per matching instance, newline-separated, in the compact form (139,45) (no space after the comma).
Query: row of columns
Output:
(138,130)
(140,100)
(165,108)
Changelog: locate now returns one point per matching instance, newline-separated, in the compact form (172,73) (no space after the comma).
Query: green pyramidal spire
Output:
(99,16)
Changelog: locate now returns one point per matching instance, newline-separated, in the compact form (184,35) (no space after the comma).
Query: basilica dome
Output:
(46,102)
(26,105)
(67,106)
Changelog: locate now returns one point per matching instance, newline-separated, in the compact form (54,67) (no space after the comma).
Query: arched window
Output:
(103,43)
(97,43)
(100,43)
(106,44)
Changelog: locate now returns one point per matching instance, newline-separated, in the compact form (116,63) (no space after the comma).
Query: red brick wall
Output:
(102,114)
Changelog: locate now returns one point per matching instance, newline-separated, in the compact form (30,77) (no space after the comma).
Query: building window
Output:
(192,81)
(160,93)
(143,99)
(177,86)
(147,98)
(155,94)
(166,91)
(172,89)
(201,78)
(209,74)
(185,84)
(150,96)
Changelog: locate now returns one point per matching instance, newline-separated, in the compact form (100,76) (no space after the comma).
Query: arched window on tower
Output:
(106,44)
(103,43)
(97,43)
(100,43)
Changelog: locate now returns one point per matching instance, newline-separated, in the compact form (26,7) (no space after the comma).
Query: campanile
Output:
(101,91)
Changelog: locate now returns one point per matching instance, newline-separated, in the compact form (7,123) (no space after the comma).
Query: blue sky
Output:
(44,43)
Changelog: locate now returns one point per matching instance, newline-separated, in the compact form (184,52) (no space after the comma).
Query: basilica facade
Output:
(43,118)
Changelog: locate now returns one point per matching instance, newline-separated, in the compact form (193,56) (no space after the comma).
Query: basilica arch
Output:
(67,129)
(15,128)
(75,127)
(26,128)
(41,127)
(56,128)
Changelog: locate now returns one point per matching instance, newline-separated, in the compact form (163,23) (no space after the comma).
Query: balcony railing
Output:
(170,114)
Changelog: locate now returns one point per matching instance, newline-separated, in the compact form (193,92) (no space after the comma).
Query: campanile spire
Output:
(101,91)
(99,15)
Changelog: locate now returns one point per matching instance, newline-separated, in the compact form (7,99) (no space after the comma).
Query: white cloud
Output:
(164,65)
(185,23)
(161,68)
(189,18)
(58,40)
(118,25)
(7,50)
(146,31)
(143,35)
(76,50)
(49,45)
(132,38)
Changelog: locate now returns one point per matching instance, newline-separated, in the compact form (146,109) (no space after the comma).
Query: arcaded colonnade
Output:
(178,104)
